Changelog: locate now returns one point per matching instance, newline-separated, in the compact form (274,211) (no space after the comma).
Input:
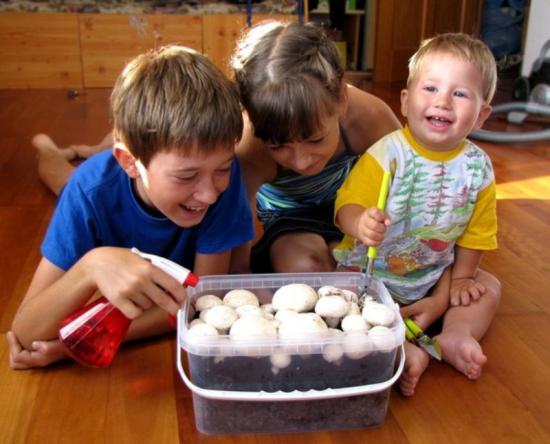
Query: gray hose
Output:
(508,137)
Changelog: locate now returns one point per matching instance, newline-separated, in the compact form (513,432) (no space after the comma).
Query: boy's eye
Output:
(430,88)
(460,94)
(185,178)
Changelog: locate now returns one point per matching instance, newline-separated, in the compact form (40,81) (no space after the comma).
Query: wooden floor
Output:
(509,404)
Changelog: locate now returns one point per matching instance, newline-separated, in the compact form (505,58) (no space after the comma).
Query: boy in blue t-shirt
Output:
(171,186)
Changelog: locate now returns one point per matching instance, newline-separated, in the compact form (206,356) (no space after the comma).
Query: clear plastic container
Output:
(237,389)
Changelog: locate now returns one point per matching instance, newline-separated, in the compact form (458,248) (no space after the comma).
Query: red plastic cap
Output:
(191,280)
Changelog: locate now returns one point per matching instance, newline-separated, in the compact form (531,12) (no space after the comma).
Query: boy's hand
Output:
(465,290)
(133,284)
(43,353)
(371,226)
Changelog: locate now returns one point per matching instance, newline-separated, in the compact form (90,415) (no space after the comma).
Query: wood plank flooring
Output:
(510,403)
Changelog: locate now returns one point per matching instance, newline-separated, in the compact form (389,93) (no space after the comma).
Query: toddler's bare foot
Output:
(416,361)
(463,352)
(44,144)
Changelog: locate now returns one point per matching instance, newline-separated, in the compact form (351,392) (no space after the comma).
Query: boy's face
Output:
(184,187)
(444,102)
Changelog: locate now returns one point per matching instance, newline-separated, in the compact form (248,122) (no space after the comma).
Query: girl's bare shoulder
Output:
(367,119)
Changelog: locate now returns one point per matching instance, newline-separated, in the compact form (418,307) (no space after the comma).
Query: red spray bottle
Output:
(93,333)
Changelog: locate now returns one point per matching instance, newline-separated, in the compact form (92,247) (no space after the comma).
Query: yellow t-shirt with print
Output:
(436,200)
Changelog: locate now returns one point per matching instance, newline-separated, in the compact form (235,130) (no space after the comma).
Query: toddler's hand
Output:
(371,226)
(465,290)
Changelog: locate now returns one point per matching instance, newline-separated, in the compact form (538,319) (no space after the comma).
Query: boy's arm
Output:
(464,287)
(131,283)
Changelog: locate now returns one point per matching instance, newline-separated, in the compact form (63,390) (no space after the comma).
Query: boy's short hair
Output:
(465,48)
(290,77)
(175,98)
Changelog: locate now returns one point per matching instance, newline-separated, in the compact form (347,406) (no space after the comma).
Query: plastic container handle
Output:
(289,396)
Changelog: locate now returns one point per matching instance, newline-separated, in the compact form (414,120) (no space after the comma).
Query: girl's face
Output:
(309,157)
(444,102)
(184,187)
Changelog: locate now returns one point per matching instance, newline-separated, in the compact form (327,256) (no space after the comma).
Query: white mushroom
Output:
(329,290)
(356,345)
(354,308)
(285,313)
(195,322)
(302,325)
(382,338)
(252,327)
(354,322)
(350,296)
(268,308)
(333,352)
(221,316)
(297,297)
(332,306)
(332,322)
(207,301)
(203,331)
(236,298)
(279,359)
(248,310)
(376,313)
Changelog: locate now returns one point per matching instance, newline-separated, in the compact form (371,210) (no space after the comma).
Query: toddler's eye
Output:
(430,88)
(460,94)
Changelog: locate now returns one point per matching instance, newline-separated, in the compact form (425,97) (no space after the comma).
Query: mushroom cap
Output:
(249,310)
(207,301)
(202,330)
(354,322)
(332,306)
(382,338)
(329,290)
(357,345)
(285,313)
(221,316)
(297,297)
(376,313)
(302,325)
(240,296)
(252,327)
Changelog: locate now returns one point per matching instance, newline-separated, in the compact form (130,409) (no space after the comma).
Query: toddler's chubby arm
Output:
(464,287)
(131,283)
(430,308)
(367,225)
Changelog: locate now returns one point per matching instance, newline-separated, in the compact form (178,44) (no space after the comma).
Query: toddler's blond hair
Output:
(465,48)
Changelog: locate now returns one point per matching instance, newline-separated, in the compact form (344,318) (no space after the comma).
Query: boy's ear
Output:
(126,160)
(483,115)
(404,102)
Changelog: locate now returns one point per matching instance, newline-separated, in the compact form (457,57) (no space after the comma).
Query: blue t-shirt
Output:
(98,207)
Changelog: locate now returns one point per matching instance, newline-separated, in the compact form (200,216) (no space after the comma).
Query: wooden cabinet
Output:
(39,51)
(49,50)
(402,24)
(108,41)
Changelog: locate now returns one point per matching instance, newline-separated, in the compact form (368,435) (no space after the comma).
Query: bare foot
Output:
(44,143)
(85,151)
(463,352)
(416,362)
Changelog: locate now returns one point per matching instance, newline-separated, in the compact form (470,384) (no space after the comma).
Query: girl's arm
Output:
(258,168)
